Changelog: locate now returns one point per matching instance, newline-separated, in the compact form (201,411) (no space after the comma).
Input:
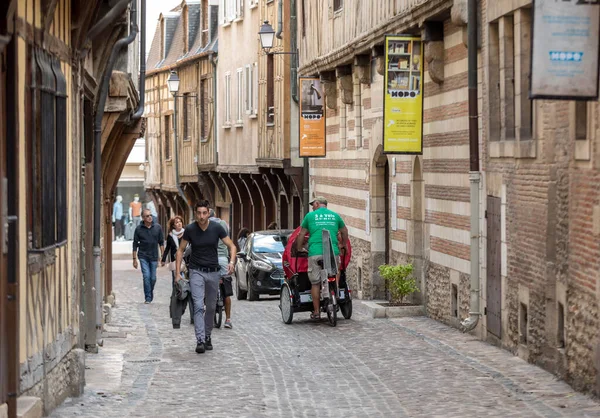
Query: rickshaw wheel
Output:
(331,314)
(346,309)
(285,304)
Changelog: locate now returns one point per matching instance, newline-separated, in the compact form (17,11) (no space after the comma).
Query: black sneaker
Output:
(208,344)
(200,348)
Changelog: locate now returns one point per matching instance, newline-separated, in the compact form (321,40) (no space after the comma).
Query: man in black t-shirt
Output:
(204,270)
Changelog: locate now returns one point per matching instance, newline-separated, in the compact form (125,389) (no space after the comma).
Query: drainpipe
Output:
(279,19)
(103,93)
(142,81)
(213,60)
(176,152)
(474,175)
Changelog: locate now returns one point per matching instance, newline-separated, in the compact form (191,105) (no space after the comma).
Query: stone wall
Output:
(370,285)
(61,375)
(438,292)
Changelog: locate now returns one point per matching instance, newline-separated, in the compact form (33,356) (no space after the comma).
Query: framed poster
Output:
(403,95)
(312,118)
(565,49)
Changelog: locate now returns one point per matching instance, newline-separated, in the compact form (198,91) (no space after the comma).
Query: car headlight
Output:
(261,265)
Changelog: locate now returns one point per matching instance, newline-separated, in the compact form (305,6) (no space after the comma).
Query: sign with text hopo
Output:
(312,118)
(403,95)
(565,49)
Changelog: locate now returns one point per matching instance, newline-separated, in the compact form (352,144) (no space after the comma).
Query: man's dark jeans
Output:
(149,275)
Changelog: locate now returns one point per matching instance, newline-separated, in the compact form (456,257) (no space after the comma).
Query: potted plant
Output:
(399,280)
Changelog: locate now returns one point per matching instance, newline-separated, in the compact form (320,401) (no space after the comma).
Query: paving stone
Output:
(406,367)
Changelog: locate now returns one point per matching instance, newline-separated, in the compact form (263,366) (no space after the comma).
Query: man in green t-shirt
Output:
(314,223)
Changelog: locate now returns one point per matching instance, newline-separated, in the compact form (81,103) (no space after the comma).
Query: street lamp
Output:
(267,37)
(173,83)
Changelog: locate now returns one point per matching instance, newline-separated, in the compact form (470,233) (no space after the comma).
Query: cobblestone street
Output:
(262,367)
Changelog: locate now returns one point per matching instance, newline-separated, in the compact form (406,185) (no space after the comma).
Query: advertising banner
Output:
(403,96)
(565,49)
(312,118)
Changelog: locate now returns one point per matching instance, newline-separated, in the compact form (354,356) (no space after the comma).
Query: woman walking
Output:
(177,306)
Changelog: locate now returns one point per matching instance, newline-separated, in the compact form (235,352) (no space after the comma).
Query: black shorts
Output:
(226,287)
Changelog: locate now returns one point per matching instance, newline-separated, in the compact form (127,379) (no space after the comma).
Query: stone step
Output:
(29,407)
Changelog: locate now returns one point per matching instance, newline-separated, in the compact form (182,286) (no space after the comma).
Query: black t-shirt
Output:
(204,244)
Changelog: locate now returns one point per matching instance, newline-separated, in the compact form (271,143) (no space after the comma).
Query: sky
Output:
(153,9)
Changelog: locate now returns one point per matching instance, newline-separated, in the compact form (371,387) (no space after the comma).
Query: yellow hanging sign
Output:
(403,95)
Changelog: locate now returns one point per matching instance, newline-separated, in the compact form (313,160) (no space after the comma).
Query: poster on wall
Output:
(312,118)
(403,96)
(565,49)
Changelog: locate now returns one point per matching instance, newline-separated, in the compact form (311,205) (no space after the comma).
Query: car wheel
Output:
(240,294)
(252,294)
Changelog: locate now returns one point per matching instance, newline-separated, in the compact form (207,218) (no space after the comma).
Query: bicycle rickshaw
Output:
(295,293)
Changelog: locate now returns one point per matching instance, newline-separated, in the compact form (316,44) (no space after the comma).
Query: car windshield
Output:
(267,244)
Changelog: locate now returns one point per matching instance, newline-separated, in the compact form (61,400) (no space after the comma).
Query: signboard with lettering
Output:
(312,118)
(403,96)
(565,49)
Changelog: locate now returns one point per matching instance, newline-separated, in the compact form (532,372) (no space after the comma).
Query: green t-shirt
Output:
(315,222)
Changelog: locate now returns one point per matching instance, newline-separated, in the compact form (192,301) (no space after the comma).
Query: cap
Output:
(136,195)
(319,199)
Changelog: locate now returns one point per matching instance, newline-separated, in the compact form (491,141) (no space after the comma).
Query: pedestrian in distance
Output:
(225,283)
(147,238)
(204,269)
(314,223)
(272,226)
(242,238)
(177,305)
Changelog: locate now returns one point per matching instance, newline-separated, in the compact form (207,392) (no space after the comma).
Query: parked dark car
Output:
(259,267)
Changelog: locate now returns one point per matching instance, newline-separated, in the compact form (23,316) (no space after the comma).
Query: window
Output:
(249,96)
(228,99)
(270,90)
(187,117)
(204,128)
(255,91)
(167,129)
(240,96)
(583,129)
(511,110)
(239,9)
(581,120)
(337,5)
(231,9)
(49,148)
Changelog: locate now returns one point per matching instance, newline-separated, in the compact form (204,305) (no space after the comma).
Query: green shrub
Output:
(399,279)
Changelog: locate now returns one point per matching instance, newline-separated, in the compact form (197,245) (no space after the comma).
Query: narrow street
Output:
(364,367)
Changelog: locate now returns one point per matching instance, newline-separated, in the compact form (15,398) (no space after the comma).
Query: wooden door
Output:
(494,279)
(9,294)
